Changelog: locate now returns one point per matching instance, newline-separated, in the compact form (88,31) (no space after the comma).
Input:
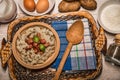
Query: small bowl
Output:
(109,16)
(47,62)
(35,13)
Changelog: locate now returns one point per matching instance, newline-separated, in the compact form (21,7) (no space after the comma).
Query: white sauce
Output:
(110,17)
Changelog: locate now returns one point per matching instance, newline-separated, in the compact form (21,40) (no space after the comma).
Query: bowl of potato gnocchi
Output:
(35,45)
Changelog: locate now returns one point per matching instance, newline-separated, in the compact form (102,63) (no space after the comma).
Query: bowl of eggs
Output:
(36,7)
(36,45)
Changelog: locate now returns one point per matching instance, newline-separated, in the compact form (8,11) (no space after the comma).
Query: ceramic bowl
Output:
(109,16)
(50,59)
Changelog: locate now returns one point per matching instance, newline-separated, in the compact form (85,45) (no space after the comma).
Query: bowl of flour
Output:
(109,16)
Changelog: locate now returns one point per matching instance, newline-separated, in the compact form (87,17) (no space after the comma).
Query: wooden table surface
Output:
(109,72)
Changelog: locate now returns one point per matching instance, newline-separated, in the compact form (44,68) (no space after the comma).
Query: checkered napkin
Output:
(82,56)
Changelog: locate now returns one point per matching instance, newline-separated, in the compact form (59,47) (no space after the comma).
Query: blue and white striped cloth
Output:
(82,56)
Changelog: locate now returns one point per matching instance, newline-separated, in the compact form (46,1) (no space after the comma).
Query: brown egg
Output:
(29,5)
(42,6)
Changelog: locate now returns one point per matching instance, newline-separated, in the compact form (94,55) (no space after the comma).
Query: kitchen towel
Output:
(82,56)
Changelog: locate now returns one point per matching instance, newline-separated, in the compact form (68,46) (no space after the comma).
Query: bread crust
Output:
(89,4)
(65,6)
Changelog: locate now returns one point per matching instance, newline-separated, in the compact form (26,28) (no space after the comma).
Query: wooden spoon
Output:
(74,36)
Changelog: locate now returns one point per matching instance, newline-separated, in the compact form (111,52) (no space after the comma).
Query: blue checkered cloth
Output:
(82,56)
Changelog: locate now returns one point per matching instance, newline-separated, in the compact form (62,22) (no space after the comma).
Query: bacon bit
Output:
(29,41)
(39,35)
(29,47)
(43,41)
(35,45)
(47,44)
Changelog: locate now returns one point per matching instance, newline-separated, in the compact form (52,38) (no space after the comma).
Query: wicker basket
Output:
(17,72)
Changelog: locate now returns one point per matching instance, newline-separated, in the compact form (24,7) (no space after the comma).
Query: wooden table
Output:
(109,72)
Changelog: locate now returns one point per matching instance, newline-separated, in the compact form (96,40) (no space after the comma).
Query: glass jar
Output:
(8,10)
(113,52)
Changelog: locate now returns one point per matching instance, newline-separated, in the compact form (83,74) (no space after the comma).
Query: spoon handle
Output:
(61,65)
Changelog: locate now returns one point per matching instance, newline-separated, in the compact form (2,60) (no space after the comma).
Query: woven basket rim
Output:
(84,14)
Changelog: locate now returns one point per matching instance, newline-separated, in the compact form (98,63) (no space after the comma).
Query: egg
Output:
(29,5)
(42,6)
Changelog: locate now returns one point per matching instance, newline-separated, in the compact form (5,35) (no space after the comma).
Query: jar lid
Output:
(117,36)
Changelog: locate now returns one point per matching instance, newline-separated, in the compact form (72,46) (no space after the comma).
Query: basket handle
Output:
(100,42)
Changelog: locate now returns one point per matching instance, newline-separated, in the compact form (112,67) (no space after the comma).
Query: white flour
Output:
(110,17)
